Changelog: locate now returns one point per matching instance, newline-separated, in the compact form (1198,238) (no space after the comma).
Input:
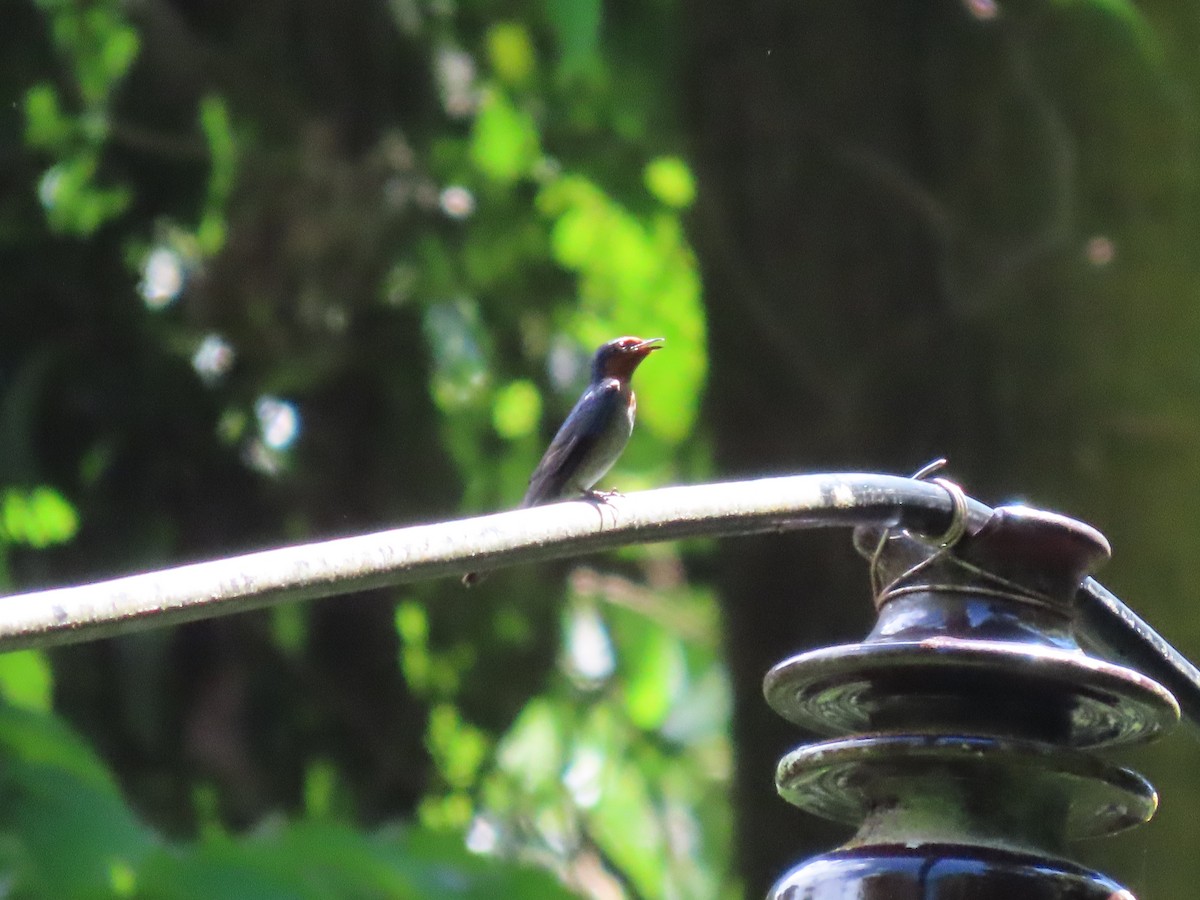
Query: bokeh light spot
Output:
(213,359)
(162,278)
(278,422)
(1100,251)
(457,202)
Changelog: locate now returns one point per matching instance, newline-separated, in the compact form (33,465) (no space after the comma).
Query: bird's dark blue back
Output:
(581,436)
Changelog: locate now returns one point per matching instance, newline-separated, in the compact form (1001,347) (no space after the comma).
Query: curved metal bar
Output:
(239,583)
(321,569)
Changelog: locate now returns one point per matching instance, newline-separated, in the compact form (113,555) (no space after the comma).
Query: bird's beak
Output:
(649,344)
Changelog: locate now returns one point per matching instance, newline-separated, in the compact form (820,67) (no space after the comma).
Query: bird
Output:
(595,432)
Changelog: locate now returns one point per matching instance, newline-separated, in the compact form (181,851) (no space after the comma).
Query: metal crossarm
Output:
(343,565)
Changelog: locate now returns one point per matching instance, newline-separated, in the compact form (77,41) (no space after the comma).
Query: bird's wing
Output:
(575,440)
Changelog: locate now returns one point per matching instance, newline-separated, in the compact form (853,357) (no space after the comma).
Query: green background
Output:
(293,269)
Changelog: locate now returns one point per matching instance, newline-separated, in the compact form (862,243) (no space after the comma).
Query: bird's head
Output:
(618,358)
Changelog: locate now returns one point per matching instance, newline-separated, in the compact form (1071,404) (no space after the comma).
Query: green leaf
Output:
(627,828)
(320,789)
(455,336)
(101,45)
(301,861)
(653,670)
(504,140)
(118,50)
(68,834)
(636,276)
(533,750)
(324,860)
(576,24)
(74,204)
(517,410)
(38,518)
(26,680)
(222,153)
(511,52)
(46,127)
(440,864)
(458,747)
(289,628)
(61,804)
(670,180)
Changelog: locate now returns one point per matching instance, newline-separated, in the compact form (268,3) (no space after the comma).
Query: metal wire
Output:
(1114,629)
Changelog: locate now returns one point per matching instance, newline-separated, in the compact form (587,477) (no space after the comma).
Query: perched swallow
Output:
(594,434)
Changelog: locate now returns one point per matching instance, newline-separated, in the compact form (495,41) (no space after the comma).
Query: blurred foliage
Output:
(36,518)
(98,46)
(283,271)
(62,804)
(282,278)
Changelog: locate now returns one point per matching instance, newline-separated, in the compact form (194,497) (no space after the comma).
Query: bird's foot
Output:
(601,496)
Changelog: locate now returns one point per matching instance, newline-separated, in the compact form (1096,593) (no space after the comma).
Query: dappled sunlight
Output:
(567,364)
(984,10)
(460,371)
(162,278)
(455,70)
(278,422)
(213,359)
(457,202)
(583,777)
(625,752)
(400,243)
(589,653)
(1100,251)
